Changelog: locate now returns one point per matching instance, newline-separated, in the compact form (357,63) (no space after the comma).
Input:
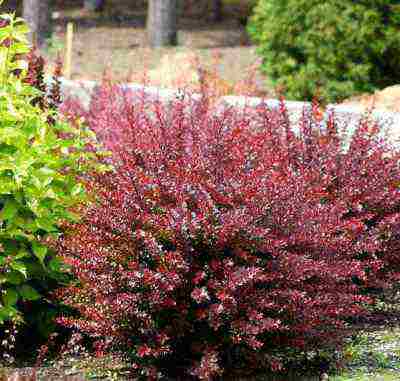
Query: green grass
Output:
(372,356)
(364,376)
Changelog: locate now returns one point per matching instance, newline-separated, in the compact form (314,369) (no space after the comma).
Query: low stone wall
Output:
(347,116)
(83,90)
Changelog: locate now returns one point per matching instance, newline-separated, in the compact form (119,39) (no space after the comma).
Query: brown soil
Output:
(116,39)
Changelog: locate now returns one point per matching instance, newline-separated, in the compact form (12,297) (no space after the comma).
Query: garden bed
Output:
(217,243)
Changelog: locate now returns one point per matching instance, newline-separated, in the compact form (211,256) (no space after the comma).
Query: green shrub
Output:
(336,47)
(40,165)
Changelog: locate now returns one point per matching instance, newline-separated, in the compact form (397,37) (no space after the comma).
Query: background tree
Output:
(37,14)
(162,22)
(216,10)
(318,46)
(9,6)
(94,5)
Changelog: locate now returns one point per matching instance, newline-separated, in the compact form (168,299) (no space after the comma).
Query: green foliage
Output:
(336,47)
(39,187)
(371,355)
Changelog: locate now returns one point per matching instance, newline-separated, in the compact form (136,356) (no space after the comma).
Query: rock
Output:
(176,70)
(182,70)
(387,99)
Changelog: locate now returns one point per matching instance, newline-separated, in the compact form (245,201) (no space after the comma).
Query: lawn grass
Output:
(372,356)
(363,376)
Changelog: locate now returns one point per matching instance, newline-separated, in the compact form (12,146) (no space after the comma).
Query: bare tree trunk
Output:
(162,23)
(94,5)
(9,6)
(216,10)
(37,13)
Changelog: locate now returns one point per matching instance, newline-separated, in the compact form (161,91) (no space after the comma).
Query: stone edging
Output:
(346,114)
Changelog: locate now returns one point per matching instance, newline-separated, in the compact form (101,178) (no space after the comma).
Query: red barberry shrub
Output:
(49,97)
(228,241)
(35,77)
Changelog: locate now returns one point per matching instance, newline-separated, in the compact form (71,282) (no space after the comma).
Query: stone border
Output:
(348,116)
(82,90)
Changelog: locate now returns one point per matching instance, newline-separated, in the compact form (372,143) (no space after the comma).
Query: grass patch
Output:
(372,356)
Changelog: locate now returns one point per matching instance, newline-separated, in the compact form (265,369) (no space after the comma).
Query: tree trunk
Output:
(216,10)
(94,5)
(9,6)
(37,13)
(162,23)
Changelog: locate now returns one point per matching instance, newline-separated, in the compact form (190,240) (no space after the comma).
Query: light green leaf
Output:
(9,210)
(20,64)
(7,313)
(45,224)
(56,265)
(13,277)
(22,254)
(20,267)
(77,189)
(40,251)
(28,293)
(10,297)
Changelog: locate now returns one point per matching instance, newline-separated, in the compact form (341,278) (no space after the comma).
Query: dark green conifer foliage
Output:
(340,47)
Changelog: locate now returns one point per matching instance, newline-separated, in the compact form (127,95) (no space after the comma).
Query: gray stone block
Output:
(347,117)
(83,90)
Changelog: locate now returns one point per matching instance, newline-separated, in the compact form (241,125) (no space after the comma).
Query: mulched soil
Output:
(116,39)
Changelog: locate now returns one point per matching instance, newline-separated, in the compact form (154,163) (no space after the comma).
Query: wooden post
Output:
(94,5)
(68,51)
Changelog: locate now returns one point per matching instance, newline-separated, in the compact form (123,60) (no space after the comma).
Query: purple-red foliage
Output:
(55,91)
(221,241)
(35,77)
(50,97)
